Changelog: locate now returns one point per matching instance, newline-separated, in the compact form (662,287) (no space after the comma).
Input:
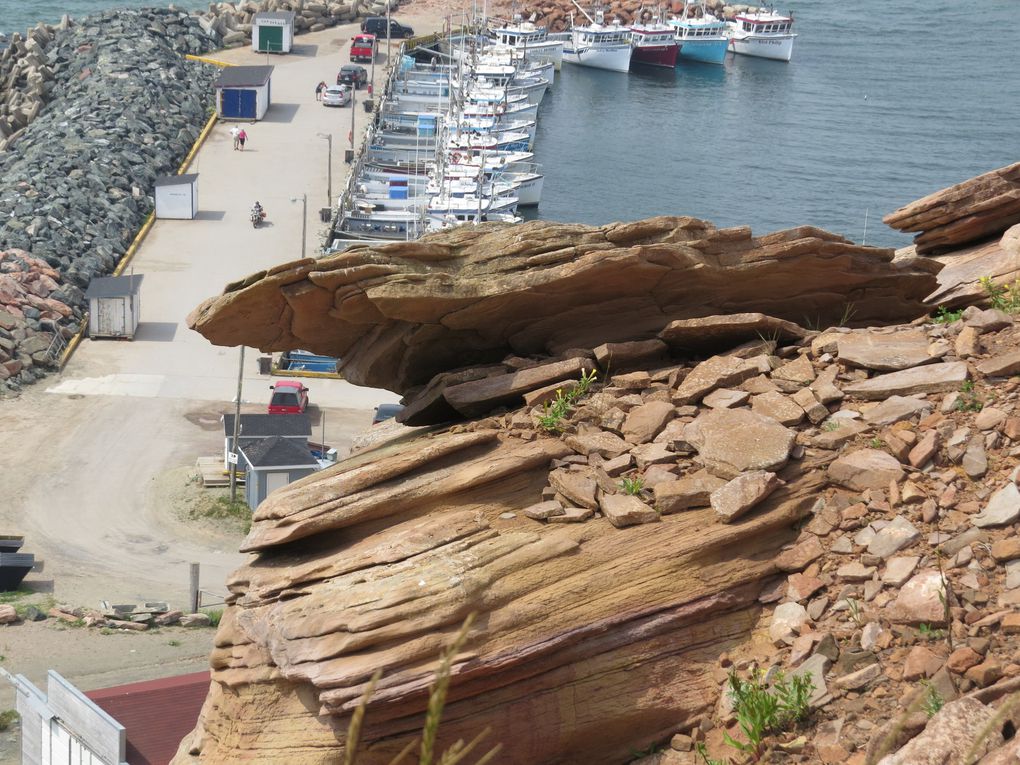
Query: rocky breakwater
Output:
(26,79)
(124,107)
(232,21)
(612,548)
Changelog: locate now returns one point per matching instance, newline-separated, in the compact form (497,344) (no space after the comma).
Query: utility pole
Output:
(354,94)
(304,222)
(329,171)
(232,466)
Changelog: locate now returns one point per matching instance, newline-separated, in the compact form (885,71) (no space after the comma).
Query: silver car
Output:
(336,95)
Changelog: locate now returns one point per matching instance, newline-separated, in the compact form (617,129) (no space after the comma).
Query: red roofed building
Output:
(156,713)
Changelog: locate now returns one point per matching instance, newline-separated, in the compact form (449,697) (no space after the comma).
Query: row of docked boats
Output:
(451,143)
(695,34)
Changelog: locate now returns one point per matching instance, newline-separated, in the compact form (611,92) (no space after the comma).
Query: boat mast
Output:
(582,10)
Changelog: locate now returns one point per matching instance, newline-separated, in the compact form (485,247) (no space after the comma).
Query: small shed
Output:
(114,306)
(177,197)
(255,427)
(271,464)
(243,92)
(272,32)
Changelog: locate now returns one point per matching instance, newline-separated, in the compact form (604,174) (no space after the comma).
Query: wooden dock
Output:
(213,474)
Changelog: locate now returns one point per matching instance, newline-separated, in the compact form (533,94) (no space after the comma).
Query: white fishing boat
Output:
(599,45)
(530,41)
(762,33)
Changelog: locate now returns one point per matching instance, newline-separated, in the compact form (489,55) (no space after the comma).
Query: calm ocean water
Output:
(882,104)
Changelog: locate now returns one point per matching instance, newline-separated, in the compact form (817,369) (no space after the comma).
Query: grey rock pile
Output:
(115,105)
(232,21)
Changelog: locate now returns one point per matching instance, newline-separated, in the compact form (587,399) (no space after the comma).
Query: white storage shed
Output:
(114,306)
(243,92)
(273,32)
(177,197)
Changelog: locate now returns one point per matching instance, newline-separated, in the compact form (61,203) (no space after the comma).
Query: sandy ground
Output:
(96,463)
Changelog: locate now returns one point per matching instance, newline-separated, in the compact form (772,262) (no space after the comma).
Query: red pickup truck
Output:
(363,48)
(289,397)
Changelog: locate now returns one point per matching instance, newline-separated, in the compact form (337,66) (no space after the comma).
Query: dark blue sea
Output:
(883,103)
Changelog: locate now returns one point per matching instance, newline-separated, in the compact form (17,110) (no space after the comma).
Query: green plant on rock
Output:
(214,614)
(944,316)
(555,412)
(831,425)
(932,701)
(876,443)
(762,710)
(633,485)
(7,718)
(853,608)
(1002,298)
(927,632)
(702,752)
(968,401)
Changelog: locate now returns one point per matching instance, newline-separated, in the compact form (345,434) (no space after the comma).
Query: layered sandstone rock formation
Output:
(399,314)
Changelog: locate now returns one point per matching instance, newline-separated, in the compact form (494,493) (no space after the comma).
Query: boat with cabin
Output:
(653,42)
(700,35)
(599,45)
(763,33)
(532,42)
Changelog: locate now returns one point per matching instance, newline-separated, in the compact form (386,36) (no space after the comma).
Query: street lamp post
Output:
(354,95)
(329,170)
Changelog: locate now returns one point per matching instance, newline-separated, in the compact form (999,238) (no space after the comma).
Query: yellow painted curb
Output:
(206,60)
(75,339)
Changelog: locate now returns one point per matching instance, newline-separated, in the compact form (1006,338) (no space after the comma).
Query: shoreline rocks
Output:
(123,107)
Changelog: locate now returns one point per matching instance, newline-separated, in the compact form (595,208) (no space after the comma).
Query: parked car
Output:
(385,412)
(336,95)
(363,48)
(376,25)
(289,397)
(353,75)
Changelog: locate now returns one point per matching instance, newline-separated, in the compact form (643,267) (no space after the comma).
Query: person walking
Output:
(241,138)
(318,90)
(235,131)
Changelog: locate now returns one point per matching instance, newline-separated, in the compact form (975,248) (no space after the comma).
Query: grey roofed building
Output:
(176,180)
(265,425)
(243,77)
(277,452)
(113,286)
(275,15)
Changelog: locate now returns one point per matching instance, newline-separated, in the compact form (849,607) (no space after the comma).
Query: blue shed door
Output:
(238,103)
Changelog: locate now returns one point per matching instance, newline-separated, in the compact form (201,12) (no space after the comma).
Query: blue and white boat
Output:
(700,35)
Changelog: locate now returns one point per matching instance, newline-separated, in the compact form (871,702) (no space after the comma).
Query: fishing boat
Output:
(700,35)
(530,41)
(599,45)
(653,42)
(762,33)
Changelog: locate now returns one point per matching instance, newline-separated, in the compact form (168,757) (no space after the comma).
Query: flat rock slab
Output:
(576,485)
(931,378)
(602,442)
(786,622)
(962,728)
(720,333)
(627,354)
(542,511)
(626,510)
(573,515)
(645,422)
(732,441)
(1004,365)
(899,533)
(477,397)
(716,372)
(865,469)
(883,350)
(1003,508)
(777,406)
(689,492)
(726,398)
(741,494)
(897,408)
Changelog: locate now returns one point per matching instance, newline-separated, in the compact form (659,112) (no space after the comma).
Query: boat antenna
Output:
(582,10)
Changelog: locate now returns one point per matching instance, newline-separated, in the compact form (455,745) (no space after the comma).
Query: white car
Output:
(336,95)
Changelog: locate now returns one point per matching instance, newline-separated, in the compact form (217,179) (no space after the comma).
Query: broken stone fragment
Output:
(763,444)
(741,494)
(865,469)
(626,510)
(691,491)
(932,378)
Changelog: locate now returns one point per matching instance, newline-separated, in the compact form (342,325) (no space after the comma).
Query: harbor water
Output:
(882,104)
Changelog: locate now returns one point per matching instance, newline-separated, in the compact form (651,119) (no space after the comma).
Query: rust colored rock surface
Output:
(975,209)
(398,314)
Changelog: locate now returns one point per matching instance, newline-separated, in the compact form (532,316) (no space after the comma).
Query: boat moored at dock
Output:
(653,44)
(700,35)
(599,45)
(762,33)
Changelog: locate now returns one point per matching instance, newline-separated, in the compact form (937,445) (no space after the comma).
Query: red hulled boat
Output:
(653,44)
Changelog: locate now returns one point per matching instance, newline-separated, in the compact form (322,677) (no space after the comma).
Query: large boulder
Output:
(398,314)
(763,444)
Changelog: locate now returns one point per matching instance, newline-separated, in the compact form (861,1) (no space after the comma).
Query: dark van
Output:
(376,25)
